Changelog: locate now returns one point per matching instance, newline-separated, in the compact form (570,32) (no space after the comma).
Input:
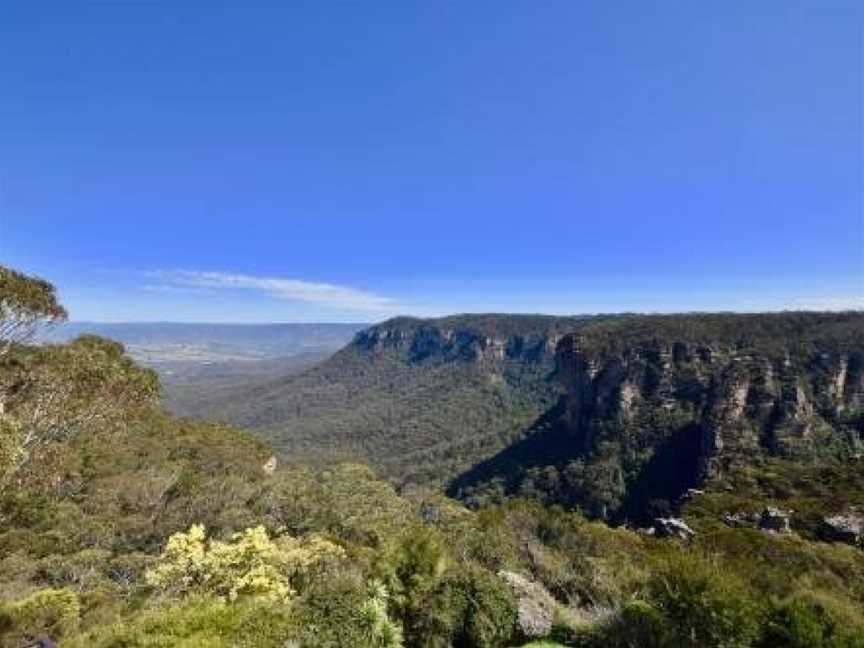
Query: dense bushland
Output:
(122,526)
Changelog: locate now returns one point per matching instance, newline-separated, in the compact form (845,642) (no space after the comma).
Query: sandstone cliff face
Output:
(488,339)
(734,403)
(653,405)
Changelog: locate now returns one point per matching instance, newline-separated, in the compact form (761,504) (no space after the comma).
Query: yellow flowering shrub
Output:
(250,563)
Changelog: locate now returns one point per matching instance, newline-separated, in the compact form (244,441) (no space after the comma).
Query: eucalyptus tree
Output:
(26,304)
(49,393)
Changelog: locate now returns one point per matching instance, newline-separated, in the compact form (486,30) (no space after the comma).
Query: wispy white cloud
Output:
(828,303)
(175,289)
(324,294)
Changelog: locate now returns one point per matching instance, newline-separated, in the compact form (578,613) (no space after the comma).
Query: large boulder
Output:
(535,607)
(847,527)
(774,520)
(672,528)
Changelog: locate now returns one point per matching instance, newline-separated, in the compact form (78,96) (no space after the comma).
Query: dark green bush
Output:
(814,619)
(704,605)
(639,625)
(797,625)
(470,607)
(53,612)
(489,610)
(337,612)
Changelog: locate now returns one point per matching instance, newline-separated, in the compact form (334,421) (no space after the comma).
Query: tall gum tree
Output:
(49,393)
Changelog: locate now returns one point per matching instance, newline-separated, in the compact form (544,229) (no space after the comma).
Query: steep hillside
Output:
(423,400)
(654,405)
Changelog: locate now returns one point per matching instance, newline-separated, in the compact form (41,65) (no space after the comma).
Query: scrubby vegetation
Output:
(122,526)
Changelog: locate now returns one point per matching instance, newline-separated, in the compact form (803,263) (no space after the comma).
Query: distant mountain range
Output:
(269,340)
(196,361)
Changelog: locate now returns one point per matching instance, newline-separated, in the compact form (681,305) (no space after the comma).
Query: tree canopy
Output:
(26,303)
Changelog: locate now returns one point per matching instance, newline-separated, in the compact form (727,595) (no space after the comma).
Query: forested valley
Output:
(496,482)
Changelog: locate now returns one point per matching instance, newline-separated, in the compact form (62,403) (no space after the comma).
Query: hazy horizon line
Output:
(471,314)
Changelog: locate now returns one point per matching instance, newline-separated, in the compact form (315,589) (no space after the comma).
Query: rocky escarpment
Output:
(653,405)
(732,401)
(489,339)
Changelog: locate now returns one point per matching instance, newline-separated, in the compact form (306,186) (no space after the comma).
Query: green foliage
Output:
(776,333)
(704,605)
(53,612)
(411,567)
(378,629)
(25,304)
(52,393)
(469,606)
(347,500)
(813,489)
(814,619)
(639,625)
(342,611)
(485,614)
(597,484)
(195,623)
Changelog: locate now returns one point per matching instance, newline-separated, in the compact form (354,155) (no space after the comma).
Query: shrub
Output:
(639,625)
(376,626)
(342,611)
(489,608)
(196,621)
(797,625)
(411,567)
(470,606)
(704,606)
(79,571)
(814,619)
(53,612)
(250,564)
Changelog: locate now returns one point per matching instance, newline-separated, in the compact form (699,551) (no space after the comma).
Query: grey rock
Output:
(672,528)
(742,520)
(270,465)
(690,493)
(847,527)
(535,606)
(773,520)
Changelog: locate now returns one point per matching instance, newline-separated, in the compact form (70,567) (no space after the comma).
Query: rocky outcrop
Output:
(535,607)
(773,520)
(733,400)
(652,406)
(847,527)
(672,528)
(269,466)
(742,520)
(471,338)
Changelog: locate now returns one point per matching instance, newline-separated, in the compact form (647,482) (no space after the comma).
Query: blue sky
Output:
(334,161)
